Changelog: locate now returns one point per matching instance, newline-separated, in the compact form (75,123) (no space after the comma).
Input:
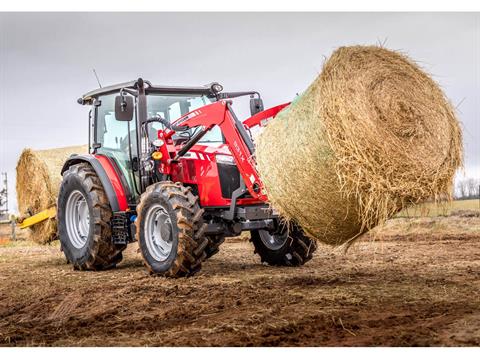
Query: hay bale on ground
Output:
(38,182)
(372,134)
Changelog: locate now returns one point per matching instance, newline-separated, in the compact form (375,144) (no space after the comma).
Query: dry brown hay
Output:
(371,135)
(38,181)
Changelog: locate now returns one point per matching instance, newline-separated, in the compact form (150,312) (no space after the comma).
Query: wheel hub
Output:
(77,217)
(275,240)
(158,233)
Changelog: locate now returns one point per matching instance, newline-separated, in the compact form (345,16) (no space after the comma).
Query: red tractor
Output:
(174,169)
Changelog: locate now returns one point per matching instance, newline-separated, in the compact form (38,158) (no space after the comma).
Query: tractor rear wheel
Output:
(84,215)
(286,246)
(170,230)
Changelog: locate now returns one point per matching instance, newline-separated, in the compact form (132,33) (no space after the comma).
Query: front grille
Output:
(229,179)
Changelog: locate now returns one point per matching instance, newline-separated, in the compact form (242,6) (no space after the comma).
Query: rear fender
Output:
(108,176)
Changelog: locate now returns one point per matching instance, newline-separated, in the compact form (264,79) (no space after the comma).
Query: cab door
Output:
(117,141)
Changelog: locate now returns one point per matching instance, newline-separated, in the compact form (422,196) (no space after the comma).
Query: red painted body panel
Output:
(199,166)
(112,174)
(201,170)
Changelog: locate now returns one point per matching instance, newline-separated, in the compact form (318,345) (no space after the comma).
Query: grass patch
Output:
(17,244)
(430,209)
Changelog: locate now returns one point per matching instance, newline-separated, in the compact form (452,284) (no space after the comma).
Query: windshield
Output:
(172,107)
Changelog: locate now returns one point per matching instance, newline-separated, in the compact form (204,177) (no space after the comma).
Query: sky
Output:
(46,62)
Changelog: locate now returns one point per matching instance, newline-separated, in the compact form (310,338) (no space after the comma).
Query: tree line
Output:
(467,188)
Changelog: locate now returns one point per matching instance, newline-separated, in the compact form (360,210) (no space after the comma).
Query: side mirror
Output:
(256,105)
(124,107)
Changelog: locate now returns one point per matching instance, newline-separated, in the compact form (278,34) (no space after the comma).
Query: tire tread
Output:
(103,254)
(191,241)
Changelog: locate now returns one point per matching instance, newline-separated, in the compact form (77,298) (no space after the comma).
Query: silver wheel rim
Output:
(273,241)
(158,233)
(77,219)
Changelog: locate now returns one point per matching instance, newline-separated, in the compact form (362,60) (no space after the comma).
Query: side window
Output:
(114,132)
(111,134)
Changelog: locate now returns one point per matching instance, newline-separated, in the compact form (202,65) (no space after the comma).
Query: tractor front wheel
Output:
(286,246)
(170,230)
(84,214)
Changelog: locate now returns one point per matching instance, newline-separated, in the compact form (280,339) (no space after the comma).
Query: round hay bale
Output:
(372,134)
(37,185)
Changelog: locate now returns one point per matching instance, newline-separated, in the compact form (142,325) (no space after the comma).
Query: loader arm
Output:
(236,138)
(259,118)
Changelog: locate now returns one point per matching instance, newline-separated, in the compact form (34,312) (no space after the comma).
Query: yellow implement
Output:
(39,217)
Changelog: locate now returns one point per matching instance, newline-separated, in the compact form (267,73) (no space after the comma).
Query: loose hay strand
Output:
(371,135)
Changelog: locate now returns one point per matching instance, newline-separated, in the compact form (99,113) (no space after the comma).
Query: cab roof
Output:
(149,88)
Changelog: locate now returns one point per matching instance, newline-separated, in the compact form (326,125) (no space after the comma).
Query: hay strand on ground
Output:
(37,184)
(372,134)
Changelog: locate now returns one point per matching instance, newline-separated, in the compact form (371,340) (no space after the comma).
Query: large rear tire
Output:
(170,230)
(84,215)
(287,246)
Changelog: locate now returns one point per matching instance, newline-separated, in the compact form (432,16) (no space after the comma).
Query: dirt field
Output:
(418,284)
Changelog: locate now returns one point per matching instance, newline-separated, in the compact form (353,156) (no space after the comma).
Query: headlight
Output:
(148,165)
(217,87)
(225,159)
